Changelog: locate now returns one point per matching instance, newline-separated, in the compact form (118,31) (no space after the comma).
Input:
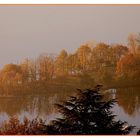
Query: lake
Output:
(42,105)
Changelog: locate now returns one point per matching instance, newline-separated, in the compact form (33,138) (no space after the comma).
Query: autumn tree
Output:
(118,51)
(25,70)
(134,43)
(46,67)
(101,54)
(101,63)
(87,113)
(129,67)
(83,58)
(10,74)
(29,69)
(61,63)
(10,78)
(72,64)
(33,70)
(138,43)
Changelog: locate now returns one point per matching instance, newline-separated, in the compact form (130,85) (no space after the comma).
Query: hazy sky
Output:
(28,31)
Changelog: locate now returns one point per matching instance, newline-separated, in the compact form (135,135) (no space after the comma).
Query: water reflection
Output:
(42,105)
(129,100)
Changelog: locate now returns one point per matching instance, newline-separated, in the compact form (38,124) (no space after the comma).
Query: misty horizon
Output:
(28,31)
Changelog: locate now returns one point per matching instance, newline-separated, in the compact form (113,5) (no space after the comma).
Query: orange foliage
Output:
(27,127)
(128,66)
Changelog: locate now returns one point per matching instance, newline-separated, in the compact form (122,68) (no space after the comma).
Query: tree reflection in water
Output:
(42,105)
(129,100)
(31,106)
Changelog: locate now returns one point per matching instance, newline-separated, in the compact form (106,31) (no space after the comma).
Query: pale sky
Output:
(28,31)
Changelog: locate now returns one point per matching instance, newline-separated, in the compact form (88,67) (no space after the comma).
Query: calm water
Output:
(127,108)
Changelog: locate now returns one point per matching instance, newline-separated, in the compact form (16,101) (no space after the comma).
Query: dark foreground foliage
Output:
(27,127)
(88,113)
(138,133)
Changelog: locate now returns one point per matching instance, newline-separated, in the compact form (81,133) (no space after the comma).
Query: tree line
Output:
(93,63)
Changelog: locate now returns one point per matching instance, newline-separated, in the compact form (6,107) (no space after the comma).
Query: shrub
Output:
(27,127)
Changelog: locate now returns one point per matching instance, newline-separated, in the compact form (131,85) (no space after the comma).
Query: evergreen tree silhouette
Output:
(138,133)
(88,113)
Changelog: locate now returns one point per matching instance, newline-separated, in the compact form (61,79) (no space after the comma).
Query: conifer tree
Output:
(88,113)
